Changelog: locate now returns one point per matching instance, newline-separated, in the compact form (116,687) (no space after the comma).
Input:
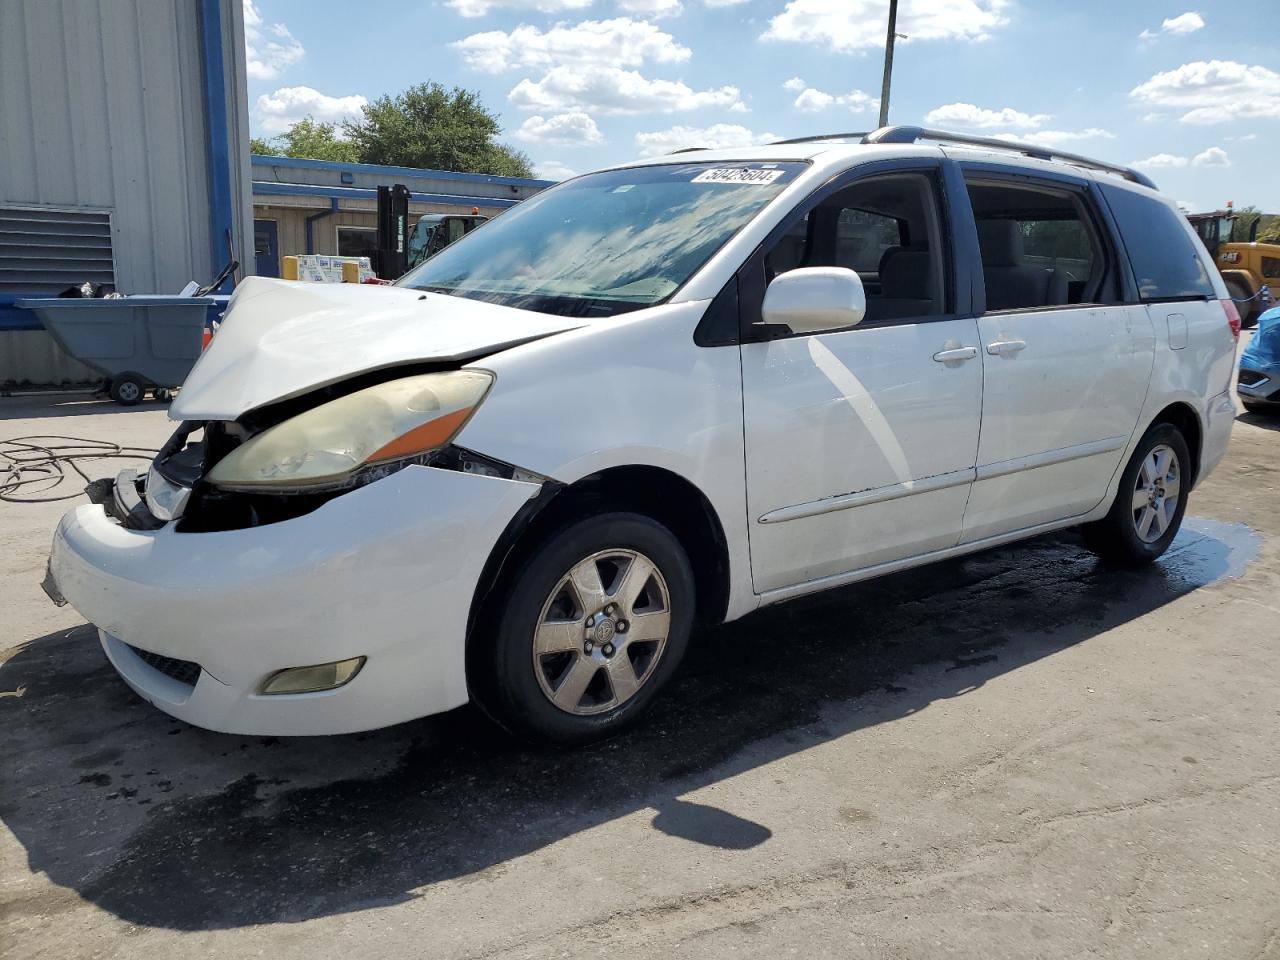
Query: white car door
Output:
(1066,363)
(861,443)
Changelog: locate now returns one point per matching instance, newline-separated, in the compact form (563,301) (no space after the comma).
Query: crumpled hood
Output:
(280,338)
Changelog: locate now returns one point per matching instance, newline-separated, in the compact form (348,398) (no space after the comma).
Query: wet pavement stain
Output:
(257,830)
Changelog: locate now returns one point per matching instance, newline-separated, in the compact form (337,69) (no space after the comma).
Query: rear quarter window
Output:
(1166,263)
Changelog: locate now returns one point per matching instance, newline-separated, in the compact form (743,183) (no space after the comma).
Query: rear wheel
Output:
(593,626)
(1149,505)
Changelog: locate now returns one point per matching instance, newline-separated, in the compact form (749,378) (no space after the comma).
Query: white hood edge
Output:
(282,338)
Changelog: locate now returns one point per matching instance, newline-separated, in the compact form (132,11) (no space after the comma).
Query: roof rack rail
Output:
(861,135)
(910,134)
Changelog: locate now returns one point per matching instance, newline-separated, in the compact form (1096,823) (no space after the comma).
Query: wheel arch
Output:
(655,492)
(1183,416)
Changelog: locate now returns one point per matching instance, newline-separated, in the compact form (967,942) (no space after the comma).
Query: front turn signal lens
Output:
(313,679)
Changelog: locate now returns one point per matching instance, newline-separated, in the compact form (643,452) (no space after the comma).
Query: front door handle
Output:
(953,354)
(999,348)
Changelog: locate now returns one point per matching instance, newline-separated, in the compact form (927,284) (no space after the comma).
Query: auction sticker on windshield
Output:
(738,175)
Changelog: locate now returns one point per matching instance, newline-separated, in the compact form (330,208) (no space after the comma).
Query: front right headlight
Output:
(325,446)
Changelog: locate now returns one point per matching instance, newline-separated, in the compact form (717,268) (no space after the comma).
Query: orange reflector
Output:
(430,435)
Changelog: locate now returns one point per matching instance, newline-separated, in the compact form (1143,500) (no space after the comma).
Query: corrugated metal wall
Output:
(101,106)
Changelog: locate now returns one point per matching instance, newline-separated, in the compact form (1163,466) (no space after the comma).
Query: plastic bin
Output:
(137,343)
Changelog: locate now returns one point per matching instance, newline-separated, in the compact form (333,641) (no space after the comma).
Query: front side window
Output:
(608,242)
(1165,261)
(1039,248)
(885,229)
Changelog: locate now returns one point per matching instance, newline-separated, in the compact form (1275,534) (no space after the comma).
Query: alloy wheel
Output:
(1156,492)
(601,632)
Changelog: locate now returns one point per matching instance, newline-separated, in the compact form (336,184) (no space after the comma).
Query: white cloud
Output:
(1056,138)
(268,47)
(969,115)
(620,42)
(660,142)
(611,90)
(552,170)
(848,25)
(795,85)
(811,100)
(278,111)
(1243,138)
(1213,157)
(478,8)
(1214,91)
(564,129)
(1180,25)
(651,8)
(722,3)
(1161,161)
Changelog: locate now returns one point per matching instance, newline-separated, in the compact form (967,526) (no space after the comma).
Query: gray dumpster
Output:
(136,342)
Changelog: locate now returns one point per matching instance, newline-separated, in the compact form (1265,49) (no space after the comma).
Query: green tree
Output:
(314,140)
(309,139)
(1245,218)
(429,126)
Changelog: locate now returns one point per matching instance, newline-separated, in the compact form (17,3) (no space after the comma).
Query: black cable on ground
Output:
(28,461)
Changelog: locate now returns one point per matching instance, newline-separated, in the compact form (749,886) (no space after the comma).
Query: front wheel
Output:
(1149,505)
(593,626)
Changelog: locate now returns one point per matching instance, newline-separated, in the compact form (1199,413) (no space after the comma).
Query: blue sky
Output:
(1180,90)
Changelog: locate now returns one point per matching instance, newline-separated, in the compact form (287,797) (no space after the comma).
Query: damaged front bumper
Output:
(195,622)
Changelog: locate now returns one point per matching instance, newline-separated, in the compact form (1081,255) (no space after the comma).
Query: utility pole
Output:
(888,62)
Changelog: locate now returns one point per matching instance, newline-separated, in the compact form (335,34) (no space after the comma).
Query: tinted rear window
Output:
(1164,258)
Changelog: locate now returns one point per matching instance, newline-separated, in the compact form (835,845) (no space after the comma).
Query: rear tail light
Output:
(1233,317)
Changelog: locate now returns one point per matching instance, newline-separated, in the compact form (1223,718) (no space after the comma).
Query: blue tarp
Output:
(1263,352)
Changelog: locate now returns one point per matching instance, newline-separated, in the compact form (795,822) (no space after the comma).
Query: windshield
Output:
(607,242)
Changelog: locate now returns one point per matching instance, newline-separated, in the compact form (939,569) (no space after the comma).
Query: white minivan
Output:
(662,394)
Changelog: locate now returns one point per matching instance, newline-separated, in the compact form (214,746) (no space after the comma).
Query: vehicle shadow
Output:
(168,826)
(1268,421)
(71,404)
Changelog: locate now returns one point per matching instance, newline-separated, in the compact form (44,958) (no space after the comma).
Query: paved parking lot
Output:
(1018,754)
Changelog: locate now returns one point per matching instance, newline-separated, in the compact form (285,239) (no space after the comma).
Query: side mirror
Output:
(814,299)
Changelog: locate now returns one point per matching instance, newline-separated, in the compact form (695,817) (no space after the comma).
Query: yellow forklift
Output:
(1247,266)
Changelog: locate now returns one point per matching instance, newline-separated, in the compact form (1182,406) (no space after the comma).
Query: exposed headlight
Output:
(325,446)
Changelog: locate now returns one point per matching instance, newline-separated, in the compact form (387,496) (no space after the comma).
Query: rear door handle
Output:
(998,348)
(953,354)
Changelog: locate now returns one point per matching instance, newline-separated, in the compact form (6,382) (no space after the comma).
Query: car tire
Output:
(127,390)
(550,664)
(1141,522)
